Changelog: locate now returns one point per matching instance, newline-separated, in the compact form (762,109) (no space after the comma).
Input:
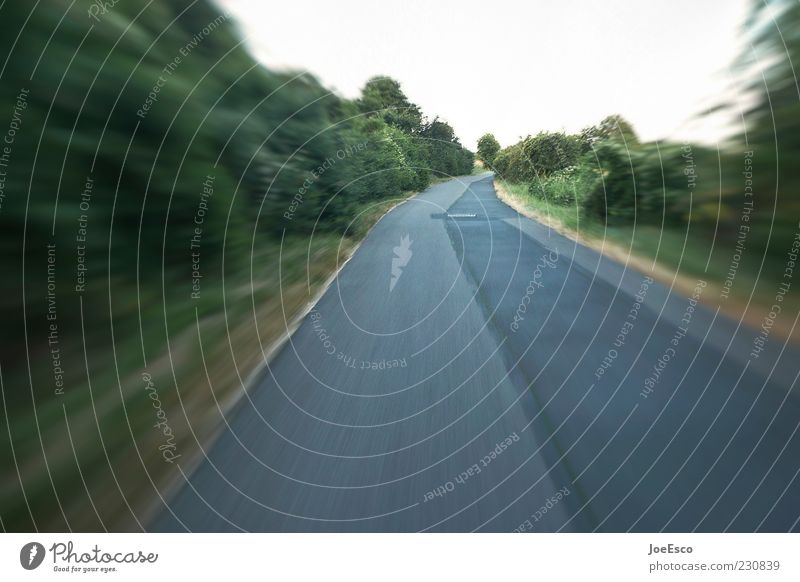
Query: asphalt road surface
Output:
(471,370)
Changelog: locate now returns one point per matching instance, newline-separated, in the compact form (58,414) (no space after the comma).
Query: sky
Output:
(516,68)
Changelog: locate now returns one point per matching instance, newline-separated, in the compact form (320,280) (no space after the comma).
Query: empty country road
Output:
(471,370)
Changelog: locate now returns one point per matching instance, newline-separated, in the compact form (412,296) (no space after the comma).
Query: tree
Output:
(511,164)
(613,127)
(488,147)
(383,96)
(550,152)
(445,153)
(619,128)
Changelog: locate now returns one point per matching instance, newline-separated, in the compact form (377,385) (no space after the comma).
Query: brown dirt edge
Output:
(751,316)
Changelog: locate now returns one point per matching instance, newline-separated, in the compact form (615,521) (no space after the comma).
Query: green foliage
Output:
(384,97)
(149,103)
(537,156)
(551,152)
(445,155)
(613,127)
(433,147)
(615,180)
(512,164)
(651,183)
(614,196)
(607,172)
(565,187)
(488,146)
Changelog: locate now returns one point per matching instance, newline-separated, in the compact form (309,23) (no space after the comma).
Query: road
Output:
(460,389)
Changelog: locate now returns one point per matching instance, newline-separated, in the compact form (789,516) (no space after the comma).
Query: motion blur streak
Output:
(170,208)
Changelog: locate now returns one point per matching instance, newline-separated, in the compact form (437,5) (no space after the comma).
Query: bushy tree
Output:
(511,164)
(383,96)
(550,152)
(446,155)
(488,147)
(613,197)
(537,156)
(651,183)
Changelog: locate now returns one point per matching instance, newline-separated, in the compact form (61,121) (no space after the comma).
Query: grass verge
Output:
(675,258)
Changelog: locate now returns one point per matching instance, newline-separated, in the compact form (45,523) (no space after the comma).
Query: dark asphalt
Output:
(382,398)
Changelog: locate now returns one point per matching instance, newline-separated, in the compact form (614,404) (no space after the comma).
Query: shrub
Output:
(549,152)
(512,165)
(564,187)
(488,147)
(613,197)
(650,183)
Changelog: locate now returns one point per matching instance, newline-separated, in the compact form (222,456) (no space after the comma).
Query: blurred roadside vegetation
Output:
(685,204)
(123,316)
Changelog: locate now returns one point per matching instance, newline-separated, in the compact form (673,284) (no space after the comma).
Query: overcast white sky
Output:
(514,67)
